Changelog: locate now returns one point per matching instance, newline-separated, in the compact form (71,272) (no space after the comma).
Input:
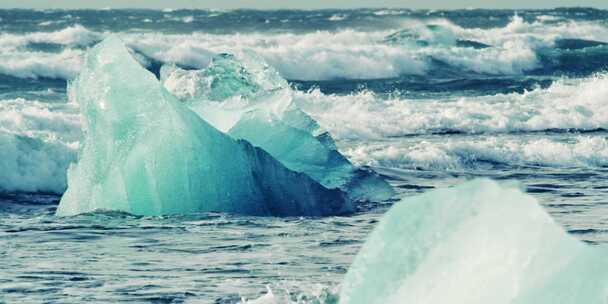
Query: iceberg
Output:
(479,242)
(146,153)
(248,99)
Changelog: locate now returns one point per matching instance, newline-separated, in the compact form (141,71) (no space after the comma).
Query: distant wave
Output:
(64,65)
(440,49)
(75,35)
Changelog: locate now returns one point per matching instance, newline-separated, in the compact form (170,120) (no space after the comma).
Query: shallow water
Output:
(529,108)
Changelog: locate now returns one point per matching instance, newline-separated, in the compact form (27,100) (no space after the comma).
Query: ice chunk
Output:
(225,77)
(296,148)
(248,99)
(146,153)
(476,243)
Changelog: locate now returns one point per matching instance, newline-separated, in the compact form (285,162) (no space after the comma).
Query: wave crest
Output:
(568,104)
(466,153)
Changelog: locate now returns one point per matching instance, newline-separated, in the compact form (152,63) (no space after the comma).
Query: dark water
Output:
(429,99)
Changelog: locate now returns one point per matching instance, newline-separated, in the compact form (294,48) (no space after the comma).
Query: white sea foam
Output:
(24,64)
(284,293)
(467,153)
(329,55)
(325,54)
(37,143)
(388,12)
(304,56)
(567,104)
(39,119)
(337,17)
(548,18)
(75,35)
(32,164)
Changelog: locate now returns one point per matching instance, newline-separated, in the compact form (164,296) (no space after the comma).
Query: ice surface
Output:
(476,243)
(249,100)
(225,77)
(145,153)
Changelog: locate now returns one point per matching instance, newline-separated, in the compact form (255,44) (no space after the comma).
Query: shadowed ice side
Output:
(145,153)
(248,99)
(476,243)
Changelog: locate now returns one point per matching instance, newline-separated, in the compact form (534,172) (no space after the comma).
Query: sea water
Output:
(428,99)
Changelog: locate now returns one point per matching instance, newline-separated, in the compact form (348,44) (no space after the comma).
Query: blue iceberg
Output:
(146,153)
(476,243)
(248,99)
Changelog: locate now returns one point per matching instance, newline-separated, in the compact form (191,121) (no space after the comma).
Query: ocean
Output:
(427,98)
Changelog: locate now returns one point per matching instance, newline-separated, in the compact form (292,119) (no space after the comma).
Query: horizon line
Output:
(168,9)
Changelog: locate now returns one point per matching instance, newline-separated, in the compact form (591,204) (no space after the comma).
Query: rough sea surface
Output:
(428,99)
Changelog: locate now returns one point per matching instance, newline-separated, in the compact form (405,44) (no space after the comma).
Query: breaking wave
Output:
(415,47)
(467,153)
(38,141)
(567,105)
